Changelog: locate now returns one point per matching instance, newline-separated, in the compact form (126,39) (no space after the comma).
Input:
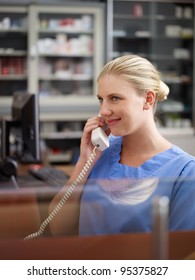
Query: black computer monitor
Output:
(20,136)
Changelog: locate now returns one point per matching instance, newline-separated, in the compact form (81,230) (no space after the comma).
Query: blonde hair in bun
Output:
(163,91)
(140,73)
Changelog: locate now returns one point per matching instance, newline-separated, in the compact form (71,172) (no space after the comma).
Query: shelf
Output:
(59,157)
(131,17)
(68,32)
(172,18)
(68,108)
(13,30)
(62,135)
(66,77)
(11,52)
(136,36)
(65,54)
(13,77)
(176,80)
(167,57)
(179,38)
(150,18)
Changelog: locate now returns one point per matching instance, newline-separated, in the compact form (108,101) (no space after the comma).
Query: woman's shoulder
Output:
(185,158)
(181,153)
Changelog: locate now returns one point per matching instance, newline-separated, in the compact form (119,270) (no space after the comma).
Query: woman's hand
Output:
(87,147)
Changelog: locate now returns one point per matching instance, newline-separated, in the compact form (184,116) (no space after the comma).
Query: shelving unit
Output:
(69,56)
(164,33)
(64,50)
(13,49)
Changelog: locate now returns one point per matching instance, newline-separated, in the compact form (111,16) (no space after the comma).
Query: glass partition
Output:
(148,211)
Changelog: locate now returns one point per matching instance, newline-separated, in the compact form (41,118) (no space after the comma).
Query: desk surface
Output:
(24,178)
(105,247)
(23,169)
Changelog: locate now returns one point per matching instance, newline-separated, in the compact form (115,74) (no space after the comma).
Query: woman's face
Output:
(121,106)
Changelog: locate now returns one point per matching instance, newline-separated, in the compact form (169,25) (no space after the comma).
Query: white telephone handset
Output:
(99,139)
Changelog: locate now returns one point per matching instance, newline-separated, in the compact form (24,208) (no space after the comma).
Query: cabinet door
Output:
(66,53)
(13,50)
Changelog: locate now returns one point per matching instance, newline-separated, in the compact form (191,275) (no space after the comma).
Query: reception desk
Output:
(21,213)
(107,247)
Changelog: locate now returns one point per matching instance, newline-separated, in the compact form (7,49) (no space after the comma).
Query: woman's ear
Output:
(149,100)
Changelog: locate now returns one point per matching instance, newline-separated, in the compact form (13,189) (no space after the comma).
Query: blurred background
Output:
(55,49)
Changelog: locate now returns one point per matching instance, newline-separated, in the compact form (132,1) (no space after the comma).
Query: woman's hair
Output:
(139,72)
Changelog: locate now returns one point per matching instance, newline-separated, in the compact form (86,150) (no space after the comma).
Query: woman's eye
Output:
(115,98)
(112,98)
(100,100)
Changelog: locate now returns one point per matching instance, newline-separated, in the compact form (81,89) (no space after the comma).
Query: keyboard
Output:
(49,174)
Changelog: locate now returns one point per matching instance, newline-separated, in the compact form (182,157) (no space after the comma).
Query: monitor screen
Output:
(21,135)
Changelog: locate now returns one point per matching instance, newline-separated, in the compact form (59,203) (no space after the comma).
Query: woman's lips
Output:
(112,121)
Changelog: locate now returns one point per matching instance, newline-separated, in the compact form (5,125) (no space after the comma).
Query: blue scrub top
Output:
(118,198)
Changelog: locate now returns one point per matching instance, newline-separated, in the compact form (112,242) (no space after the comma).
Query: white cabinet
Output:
(66,52)
(61,49)
(58,52)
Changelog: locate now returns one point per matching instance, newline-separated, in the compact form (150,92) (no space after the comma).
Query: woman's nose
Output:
(105,110)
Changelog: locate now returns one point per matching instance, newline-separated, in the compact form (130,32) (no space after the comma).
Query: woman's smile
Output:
(113,121)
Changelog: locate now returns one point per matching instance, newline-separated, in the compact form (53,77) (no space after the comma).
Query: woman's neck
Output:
(141,146)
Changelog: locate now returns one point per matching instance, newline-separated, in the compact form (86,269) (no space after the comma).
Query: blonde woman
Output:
(115,195)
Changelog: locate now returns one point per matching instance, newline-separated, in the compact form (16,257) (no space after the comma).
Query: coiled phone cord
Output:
(64,198)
